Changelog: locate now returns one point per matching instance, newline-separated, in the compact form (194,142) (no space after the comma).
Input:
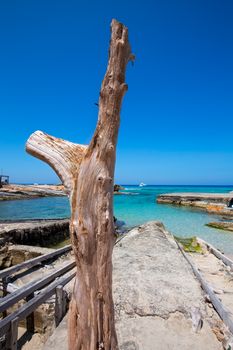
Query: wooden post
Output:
(87,173)
(59,304)
(12,336)
(30,322)
(4,286)
(4,292)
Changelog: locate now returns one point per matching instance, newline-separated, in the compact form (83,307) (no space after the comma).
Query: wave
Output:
(132,188)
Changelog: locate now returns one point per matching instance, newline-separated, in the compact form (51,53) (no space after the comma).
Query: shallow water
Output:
(135,209)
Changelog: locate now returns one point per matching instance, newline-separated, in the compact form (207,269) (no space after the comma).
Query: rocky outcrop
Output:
(195,197)
(11,254)
(43,233)
(10,192)
(35,232)
(155,295)
(221,225)
(117,188)
(214,203)
(13,192)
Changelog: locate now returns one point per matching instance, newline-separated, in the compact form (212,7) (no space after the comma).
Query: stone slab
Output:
(155,292)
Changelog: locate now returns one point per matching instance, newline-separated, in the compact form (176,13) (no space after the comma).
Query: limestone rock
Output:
(154,292)
(35,232)
(222,225)
(10,192)
(214,203)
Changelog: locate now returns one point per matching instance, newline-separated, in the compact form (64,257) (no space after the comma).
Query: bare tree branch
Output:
(88,175)
(63,156)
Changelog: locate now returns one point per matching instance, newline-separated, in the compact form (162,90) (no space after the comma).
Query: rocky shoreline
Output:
(213,203)
(12,192)
(15,192)
(41,233)
(222,225)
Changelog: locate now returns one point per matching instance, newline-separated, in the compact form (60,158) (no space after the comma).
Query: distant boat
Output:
(142,184)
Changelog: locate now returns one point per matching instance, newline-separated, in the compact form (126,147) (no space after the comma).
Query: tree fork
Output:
(87,173)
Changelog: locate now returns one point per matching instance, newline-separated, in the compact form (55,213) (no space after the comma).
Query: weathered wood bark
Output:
(87,173)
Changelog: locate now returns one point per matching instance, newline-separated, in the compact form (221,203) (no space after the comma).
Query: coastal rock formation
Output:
(155,296)
(155,291)
(35,232)
(43,233)
(195,197)
(10,192)
(214,203)
(221,225)
(13,192)
(12,254)
(117,188)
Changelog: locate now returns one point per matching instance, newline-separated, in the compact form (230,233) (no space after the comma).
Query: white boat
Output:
(142,184)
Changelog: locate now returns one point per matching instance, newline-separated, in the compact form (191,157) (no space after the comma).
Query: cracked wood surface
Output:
(87,173)
(63,156)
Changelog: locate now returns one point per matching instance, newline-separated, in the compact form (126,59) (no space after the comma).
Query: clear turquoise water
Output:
(135,209)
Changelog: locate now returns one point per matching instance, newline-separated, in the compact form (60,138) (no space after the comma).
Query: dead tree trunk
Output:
(87,173)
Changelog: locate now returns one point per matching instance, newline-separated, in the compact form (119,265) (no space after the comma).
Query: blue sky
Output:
(176,120)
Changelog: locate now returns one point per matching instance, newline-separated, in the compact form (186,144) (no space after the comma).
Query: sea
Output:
(136,208)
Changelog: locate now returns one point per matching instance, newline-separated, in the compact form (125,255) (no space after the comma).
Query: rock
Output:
(190,244)
(197,322)
(35,232)
(218,291)
(10,192)
(118,188)
(228,345)
(220,198)
(16,254)
(154,292)
(223,225)
(21,253)
(5,258)
(216,203)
